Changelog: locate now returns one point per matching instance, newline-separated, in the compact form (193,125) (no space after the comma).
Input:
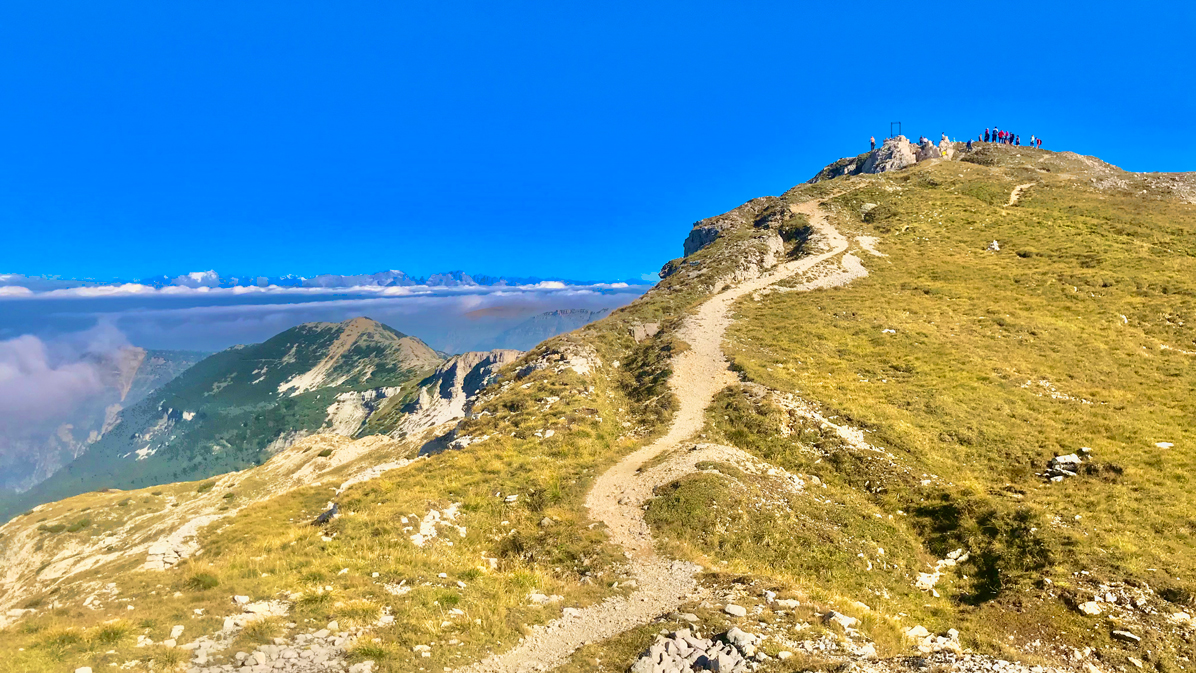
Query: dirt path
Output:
(1017,193)
(618,495)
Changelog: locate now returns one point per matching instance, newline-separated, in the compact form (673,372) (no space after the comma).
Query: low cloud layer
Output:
(35,389)
(52,393)
(453,319)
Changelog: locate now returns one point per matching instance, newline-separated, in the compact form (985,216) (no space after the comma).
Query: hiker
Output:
(985,135)
(969,144)
(1017,140)
(1040,143)
(873,139)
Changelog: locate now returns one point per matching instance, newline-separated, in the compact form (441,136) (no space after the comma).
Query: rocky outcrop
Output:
(927,150)
(893,155)
(352,408)
(445,395)
(708,230)
(844,166)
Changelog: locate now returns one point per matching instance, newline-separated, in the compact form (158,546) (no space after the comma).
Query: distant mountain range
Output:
(211,279)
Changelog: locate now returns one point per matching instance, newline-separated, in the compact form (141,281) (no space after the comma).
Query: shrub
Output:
(110,634)
(261,631)
(205,487)
(325,453)
(78,525)
(201,582)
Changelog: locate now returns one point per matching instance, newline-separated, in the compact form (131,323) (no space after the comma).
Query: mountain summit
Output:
(238,407)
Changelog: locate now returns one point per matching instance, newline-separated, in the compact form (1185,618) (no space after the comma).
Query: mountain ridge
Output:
(237,407)
(848,425)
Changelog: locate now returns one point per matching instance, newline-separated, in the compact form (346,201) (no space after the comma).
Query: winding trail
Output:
(618,495)
(1017,193)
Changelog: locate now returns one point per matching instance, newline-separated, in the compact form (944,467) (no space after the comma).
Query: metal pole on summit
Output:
(891,134)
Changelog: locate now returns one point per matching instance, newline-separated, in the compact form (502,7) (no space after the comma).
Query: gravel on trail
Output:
(618,495)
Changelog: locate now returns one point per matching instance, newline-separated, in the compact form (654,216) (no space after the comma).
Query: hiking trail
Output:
(619,493)
(1017,193)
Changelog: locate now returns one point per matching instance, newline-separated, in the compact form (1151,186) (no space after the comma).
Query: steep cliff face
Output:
(446,394)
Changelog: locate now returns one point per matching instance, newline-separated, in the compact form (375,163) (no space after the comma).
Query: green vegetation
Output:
(201,581)
(226,412)
(972,369)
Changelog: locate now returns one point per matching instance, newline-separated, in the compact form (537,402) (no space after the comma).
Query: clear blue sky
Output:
(555,139)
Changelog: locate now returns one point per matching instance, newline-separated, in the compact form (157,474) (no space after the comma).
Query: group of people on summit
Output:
(1008,138)
(995,136)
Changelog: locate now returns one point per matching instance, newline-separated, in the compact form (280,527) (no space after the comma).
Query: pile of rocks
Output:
(320,652)
(682,652)
(1062,467)
(929,642)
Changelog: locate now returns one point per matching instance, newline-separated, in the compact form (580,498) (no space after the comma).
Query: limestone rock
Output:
(840,619)
(735,610)
(917,632)
(927,150)
(1127,637)
(893,155)
(450,389)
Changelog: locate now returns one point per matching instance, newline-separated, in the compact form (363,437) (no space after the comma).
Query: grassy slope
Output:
(999,361)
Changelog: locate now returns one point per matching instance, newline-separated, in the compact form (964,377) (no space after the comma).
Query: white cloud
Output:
(136,289)
(198,279)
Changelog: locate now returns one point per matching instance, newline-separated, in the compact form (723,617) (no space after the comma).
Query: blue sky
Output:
(576,140)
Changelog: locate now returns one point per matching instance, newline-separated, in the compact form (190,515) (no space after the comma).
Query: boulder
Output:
(893,155)
(735,610)
(840,619)
(1127,637)
(917,632)
(927,150)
